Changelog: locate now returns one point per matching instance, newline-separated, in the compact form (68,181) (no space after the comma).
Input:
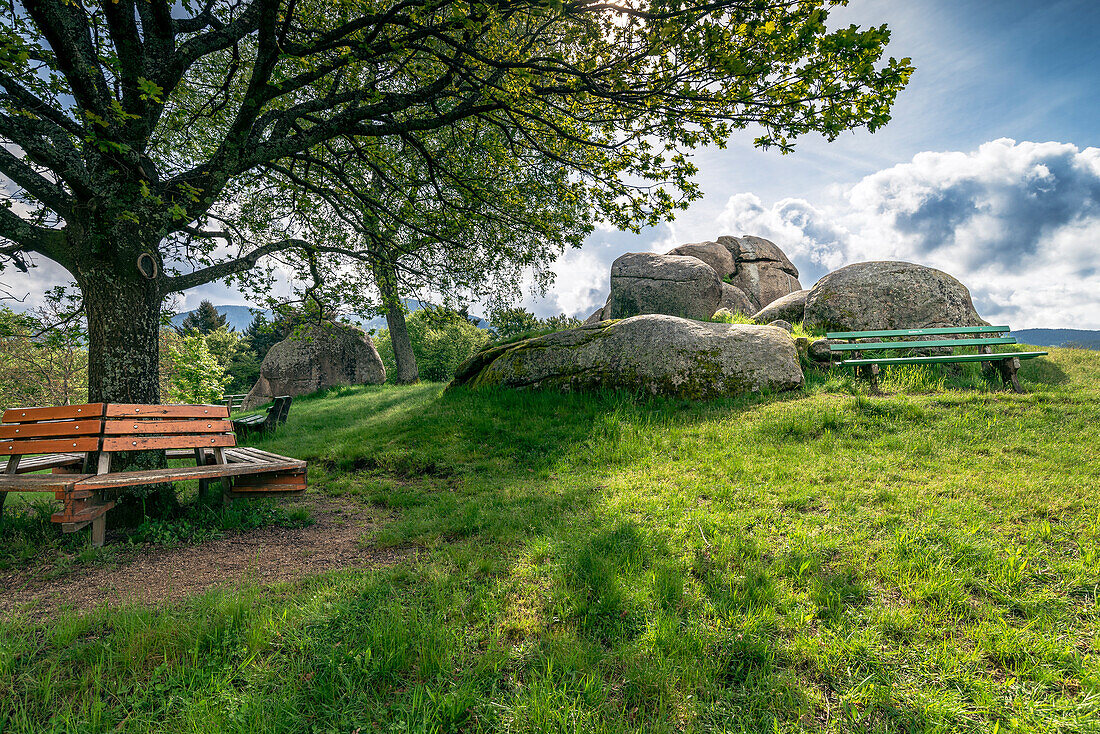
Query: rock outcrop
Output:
(791,307)
(321,356)
(674,285)
(763,272)
(889,295)
(714,254)
(734,300)
(739,274)
(657,354)
(603,313)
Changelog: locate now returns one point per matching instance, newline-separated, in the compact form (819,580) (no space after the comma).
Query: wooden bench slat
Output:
(52,428)
(149,443)
(123,427)
(942,359)
(39,482)
(868,346)
(917,332)
(125,410)
(45,461)
(49,446)
(181,474)
(61,412)
(282,488)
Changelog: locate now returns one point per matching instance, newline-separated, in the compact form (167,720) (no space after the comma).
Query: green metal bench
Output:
(983,338)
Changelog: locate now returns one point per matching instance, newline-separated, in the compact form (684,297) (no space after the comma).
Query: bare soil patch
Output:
(267,555)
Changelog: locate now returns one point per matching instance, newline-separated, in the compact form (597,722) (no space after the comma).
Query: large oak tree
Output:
(126,123)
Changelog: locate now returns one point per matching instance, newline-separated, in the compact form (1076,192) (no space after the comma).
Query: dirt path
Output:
(266,555)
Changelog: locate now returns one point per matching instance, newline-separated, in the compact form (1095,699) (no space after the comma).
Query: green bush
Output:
(442,339)
(513,324)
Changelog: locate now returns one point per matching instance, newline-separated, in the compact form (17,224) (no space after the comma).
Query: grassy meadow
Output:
(927,560)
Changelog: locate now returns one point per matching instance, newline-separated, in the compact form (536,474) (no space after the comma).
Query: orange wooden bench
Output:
(65,439)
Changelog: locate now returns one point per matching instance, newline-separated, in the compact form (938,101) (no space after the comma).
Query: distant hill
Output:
(239,317)
(1059,337)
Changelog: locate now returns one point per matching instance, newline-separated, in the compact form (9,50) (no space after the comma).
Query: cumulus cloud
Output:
(1018,223)
(580,284)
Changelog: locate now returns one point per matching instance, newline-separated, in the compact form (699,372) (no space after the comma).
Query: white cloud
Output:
(581,278)
(1018,223)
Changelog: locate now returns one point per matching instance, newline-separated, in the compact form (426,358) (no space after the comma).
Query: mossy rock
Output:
(652,353)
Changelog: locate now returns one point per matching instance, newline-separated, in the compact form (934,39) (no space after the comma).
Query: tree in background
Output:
(193,373)
(508,323)
(511,323)
(43,357)
(261,335)
(441,338)
(224,344)
(126,126)
(459,218)
(204,319)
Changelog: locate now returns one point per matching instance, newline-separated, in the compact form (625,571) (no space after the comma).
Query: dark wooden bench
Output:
(981,338)
(264,422)
(65,440)
(234,401)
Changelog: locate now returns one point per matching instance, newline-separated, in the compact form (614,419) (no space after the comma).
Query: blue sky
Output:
(990,170)
(984,170)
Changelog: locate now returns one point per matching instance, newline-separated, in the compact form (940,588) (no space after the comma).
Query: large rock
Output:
(657,354)
(748,248)
(713,254)
(764,272)
(315,358)
(734,300)
(674,285)
(791,307)
(889,295)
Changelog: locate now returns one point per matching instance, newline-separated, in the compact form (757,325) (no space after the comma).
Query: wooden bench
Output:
(69,440)
(265,423)
(234,401)
(981,338)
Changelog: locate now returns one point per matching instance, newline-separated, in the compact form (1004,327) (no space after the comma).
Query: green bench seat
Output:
(857,342)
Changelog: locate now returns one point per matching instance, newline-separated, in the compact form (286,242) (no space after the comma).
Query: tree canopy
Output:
(128,125)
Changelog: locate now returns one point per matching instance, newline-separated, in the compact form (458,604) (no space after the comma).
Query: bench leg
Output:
(9,468)
(99,531)
(988,368)
(870,373)
(1008,368)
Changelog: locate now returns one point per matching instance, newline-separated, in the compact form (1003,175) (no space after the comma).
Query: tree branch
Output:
(230,267)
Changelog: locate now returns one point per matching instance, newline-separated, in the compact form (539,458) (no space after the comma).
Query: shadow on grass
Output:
(1043,371)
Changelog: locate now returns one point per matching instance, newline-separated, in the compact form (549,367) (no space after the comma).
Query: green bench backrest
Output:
(918,332)
(921,343)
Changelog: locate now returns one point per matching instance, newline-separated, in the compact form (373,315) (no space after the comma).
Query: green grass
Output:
(826,560)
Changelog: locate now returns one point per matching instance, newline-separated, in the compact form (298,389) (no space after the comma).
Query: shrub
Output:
(512,324)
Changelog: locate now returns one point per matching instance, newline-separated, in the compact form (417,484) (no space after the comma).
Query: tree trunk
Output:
(385,275)
(123,311)
(123,338)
